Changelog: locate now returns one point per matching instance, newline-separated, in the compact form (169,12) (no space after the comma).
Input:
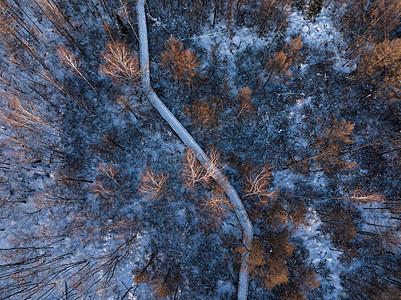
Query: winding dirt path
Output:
(191,143)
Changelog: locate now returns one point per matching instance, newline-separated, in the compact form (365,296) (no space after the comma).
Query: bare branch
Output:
(121,64)
(361,197)
(71,63)
(152,184)
(259,183)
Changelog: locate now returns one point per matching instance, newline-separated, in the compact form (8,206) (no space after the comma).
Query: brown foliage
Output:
(389,237)
(268,257)
(329,146)
(181,63)
(7,27)
(202,113)
(303,279)
(297,211)
(256,257)
(381,63)
(279,64)
(292,49)
(162,289)
(367,19)
(244,98)
(340,223)
(165,284)
(244,94)
(272,12)
(276,215)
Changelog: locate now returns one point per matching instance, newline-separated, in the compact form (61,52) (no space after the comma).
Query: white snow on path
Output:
(190,142)
(322,252)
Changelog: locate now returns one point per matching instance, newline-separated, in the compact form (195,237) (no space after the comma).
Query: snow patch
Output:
(321,32)
(322,252)
(317,180)
(285,179)
(321,35)
(228,43)
(225,288)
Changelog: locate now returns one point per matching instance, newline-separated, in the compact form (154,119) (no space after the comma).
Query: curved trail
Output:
(191,143)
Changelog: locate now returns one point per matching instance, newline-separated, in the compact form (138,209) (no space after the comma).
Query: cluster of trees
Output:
(282,60)
(370,27)
(327,148)
(272,253)
(263,15)
(43,114)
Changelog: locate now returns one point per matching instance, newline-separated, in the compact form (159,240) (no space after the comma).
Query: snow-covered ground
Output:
(282,122)
(323,255)
(321,35)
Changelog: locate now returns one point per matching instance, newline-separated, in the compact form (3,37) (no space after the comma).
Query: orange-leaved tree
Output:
(182,64)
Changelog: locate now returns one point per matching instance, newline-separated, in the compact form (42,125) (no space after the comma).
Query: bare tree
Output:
(363,198)
(120,63)
(195,172)
(23,113)
(217,205)
(60,21)
(72,63)
(259,183)
(125,14)
(151,184)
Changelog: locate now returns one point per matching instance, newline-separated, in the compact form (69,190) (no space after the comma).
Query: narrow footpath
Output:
(200,154)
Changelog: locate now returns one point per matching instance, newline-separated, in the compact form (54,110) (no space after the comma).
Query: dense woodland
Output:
(297,102)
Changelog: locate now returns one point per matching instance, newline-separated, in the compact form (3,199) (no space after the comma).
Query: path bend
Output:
(189,141)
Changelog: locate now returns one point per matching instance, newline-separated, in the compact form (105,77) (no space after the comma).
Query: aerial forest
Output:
(200,149)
